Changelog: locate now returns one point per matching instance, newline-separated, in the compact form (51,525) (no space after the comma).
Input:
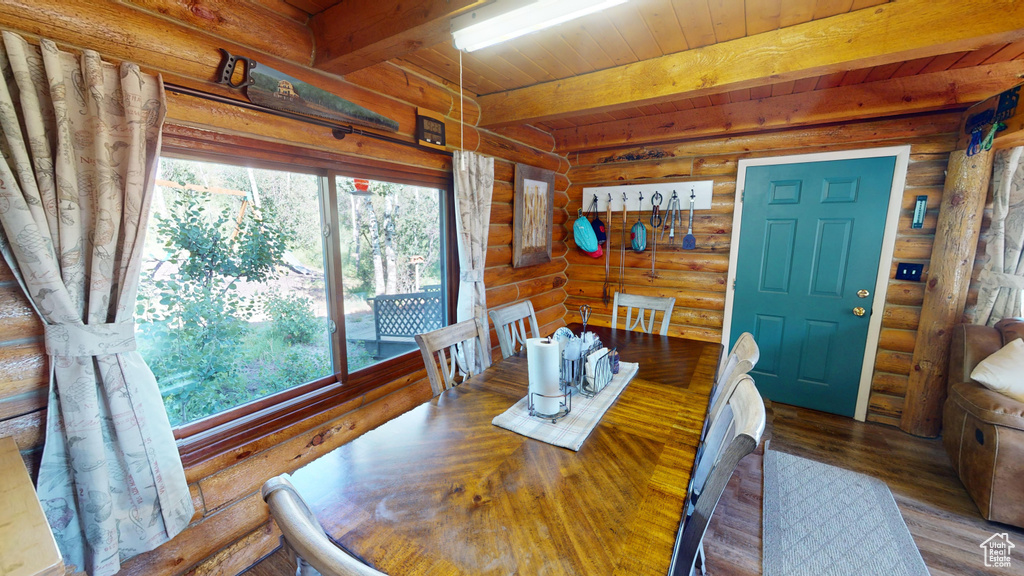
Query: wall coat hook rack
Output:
(628,196)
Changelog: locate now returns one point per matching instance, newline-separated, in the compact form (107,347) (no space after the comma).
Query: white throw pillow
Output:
(1003,371)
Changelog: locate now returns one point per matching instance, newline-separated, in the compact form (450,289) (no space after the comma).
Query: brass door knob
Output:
(863,293)
(858,311)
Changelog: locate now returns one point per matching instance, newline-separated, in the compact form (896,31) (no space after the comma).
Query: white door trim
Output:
(899,179)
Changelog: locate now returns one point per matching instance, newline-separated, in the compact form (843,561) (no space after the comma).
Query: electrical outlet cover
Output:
(911,272)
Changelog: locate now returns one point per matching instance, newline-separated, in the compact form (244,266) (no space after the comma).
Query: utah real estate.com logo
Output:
(997,550)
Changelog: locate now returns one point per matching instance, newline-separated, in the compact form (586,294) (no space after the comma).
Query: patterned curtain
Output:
(80,140)
(474,184)
(1002,279)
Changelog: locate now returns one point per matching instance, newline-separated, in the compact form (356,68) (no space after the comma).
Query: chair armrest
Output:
(988,405)
(971,344)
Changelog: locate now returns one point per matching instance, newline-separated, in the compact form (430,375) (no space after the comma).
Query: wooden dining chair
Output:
(510,324)
(304,537)
(447,347)
(646,308)
(736,433)
(741,360)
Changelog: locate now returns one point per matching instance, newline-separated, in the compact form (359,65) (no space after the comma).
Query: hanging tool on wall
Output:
(638,235)
(672,212)
(267,87)
(689,242)
(605,296)
(599,227)
(655,224)
(622,246)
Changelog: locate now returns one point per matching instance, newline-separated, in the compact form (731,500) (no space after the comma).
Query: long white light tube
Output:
(507,19)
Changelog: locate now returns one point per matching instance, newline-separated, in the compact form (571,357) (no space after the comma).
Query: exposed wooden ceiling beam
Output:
(351,36)
(926,92)
(885,34)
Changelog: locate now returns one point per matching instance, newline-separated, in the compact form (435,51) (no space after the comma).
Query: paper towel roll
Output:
(543,362)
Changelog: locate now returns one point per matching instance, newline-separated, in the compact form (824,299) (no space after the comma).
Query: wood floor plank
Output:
(942,518)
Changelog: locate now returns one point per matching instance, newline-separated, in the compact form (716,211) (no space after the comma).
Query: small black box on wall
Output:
(912,272)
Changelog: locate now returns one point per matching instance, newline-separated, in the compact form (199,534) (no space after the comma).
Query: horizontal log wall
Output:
(697,278)
(231,529)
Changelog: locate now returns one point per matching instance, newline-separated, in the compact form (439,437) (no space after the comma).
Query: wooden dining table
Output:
(439,490)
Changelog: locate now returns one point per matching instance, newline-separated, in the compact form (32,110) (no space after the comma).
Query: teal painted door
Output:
(810,239)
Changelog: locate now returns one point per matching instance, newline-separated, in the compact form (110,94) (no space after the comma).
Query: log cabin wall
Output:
(231,528)
(697,278)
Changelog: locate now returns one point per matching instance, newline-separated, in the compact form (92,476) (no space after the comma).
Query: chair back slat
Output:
(742,359)
(448,348)
(510,325)
(647,308)
(736,433)
(305,536)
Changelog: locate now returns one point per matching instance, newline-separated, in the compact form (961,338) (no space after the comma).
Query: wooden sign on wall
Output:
(533,215)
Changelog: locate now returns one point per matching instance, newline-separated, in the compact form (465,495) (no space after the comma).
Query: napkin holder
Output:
(597,373)
(575,351)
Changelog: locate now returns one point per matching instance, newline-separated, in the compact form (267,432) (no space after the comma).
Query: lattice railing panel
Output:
(407,314)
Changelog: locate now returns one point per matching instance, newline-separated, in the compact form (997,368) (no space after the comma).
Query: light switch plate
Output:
(911,272)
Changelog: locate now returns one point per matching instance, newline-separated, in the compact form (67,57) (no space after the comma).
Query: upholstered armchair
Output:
(983,430)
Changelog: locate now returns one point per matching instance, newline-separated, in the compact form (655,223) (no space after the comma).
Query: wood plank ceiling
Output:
(611,47)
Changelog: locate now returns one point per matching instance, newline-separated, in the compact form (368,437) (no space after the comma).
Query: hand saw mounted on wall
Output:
(267,87)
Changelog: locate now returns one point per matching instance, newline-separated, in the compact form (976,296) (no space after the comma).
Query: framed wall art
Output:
(533,215)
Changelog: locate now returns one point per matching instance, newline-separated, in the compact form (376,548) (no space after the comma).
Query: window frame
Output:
(206,438)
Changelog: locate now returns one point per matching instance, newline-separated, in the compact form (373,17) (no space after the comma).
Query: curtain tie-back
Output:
(472,275)
(1001,279)
(89,340)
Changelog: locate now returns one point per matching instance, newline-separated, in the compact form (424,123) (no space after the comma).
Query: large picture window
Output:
(245,283)
(392,267)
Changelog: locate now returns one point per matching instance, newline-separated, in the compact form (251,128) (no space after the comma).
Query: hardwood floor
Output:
(940,515)
(942,518)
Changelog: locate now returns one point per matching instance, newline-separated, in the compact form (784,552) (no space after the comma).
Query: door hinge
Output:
(743,194)
(733,283)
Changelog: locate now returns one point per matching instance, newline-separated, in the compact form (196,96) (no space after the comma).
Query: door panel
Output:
(777,260)
(811,235)
(832,252)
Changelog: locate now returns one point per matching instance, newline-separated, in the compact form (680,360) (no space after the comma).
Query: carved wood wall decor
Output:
(534,212)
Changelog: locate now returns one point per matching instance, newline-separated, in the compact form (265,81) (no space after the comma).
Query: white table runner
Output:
(571,431)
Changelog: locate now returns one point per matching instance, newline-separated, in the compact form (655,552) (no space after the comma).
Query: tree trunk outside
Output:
(354,251)
(391,258)
(378,265)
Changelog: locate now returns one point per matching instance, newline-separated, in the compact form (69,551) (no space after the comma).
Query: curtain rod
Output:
(339,131)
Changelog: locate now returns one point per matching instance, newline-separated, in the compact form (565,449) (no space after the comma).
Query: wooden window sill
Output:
(233,429)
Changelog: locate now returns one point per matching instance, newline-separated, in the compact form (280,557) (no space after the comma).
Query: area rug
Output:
(820,520)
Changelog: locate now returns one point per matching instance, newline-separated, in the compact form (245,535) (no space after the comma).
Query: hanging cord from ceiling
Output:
(339,131)
(462,108)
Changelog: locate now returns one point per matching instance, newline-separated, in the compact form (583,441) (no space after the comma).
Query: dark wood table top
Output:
(440,490)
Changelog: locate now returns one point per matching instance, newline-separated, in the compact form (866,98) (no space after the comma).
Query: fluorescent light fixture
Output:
(507,19)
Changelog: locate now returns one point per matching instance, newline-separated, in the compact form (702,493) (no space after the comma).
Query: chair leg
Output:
(304,569)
